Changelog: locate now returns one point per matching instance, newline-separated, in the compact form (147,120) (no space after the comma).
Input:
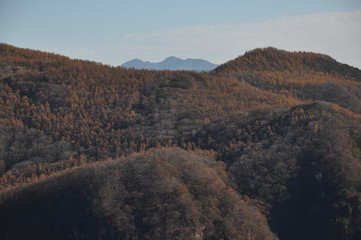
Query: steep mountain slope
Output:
(272,130)
(172,63)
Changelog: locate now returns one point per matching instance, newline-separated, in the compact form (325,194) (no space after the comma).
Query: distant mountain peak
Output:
(172,63)
(172,58)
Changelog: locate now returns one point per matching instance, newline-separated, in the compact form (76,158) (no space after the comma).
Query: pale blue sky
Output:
(113,32)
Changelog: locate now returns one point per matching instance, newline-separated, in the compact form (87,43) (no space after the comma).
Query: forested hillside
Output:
(266,146)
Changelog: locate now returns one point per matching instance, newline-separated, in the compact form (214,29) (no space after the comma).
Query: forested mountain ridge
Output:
(264,138)
(303,75)
(273,59)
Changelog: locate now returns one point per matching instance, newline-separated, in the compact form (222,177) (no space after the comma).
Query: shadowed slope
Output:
(161,194)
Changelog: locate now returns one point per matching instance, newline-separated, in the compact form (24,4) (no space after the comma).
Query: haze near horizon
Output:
(114,32)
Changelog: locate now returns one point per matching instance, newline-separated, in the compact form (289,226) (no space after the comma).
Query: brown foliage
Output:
(256,115)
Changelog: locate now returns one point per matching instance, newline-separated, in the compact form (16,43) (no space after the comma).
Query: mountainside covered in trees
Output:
(266,146)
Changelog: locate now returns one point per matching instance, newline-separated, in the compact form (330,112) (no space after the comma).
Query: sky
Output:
(115,31)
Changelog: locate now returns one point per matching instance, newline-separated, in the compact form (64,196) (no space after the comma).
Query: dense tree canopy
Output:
(271,149)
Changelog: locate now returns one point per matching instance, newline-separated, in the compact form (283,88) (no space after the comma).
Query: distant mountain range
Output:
(172,63)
